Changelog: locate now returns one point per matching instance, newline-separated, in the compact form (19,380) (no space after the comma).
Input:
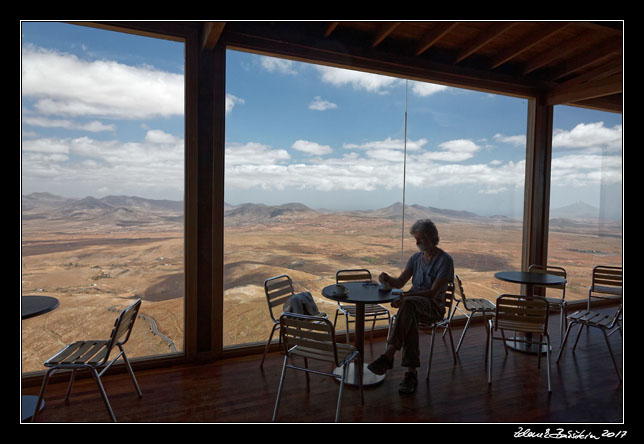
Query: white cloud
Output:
(582,170)
(423,89)
(311,147)
(321,105)
(378,165)
(231,101)
(589,135)
(274,64)
(388,144)
(44,122)
(254,153)
(82,166)
(63,84)
(453,151)
(518,140)
(357,79)
(161,137)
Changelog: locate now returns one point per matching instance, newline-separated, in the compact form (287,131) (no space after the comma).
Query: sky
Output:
(102,114)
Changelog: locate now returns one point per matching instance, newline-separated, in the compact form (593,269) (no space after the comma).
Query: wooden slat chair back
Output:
(473,306)
(521,314)
(277,290)
(353,275)
(94,355)
(373,312)
(606,283)
(555,301)
(604,322)
(313,337)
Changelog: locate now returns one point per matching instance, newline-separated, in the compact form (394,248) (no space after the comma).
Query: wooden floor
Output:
(585,389)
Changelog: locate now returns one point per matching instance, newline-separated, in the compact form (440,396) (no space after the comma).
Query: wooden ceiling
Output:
(573,63)
(560,62)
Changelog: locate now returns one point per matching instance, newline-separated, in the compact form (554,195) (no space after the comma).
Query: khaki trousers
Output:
(404,335)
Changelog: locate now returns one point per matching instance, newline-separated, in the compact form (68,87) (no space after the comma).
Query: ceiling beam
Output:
(298,45)
(383,31)
(521,46)
(483,39)
(606,50)
(210,33)
(576,92)
(433,36)
(329,29)
(559,51)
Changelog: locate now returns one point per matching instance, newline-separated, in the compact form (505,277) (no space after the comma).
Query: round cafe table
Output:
(31,306)
(529,279)
(360,293)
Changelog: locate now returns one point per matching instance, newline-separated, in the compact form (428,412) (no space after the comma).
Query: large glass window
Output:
(586,195)
(316,162)
(102,186)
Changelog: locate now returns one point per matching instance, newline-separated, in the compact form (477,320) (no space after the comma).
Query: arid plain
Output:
(96,255)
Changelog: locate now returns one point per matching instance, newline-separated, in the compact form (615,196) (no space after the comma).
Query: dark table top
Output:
(530,278)
(36,305)
(359,292)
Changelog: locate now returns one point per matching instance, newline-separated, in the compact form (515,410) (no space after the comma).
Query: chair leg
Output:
(505,341)
(373,327)
(346,318)
(431,352)
(451,315)
(129,369)
(268,343)
(69,386)
(345,368)
(539,352)
(548,360)
(565,339)
(487,336)
(308,381)
(467,324)
(491,354)
(279,389)
(564,321)
(610,349)
(451,341)
(103,394)
(361,364)
(581,327)
(41,395)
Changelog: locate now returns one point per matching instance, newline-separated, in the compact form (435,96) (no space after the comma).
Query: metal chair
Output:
(375,312)
(473,306)
(606,323)
(522,314)
(314,337)
(277,289)
(606,283)
(559,302)
(443,323)
(93,356)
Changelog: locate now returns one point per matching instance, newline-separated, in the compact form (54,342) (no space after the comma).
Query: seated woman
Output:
(430,270)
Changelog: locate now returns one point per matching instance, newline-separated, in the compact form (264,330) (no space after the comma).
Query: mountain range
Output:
(131,209)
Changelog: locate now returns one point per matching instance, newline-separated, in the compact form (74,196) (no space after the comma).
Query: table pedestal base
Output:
(525,347)
(368,377)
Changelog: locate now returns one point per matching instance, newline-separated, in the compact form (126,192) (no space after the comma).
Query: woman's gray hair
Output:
(427,228)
